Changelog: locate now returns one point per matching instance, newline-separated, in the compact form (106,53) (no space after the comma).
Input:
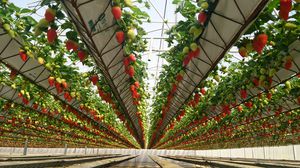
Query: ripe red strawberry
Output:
(126,61)
(202,16)
(186,61)
(248,104)
(120,37)
(131,71)
(203,91)
(23,55)
(256,81)
(243,94)
(35,106)
(270,80)
(197,98)
(51,35)
(174,88)
(137,84)
(259,42)
(135,102)
(58,88)
(240,108)
(136,95)
(195,53)
(67,95)
(25,101)
(81,106)
(13,74)
(132,57)
(226,109)
(269,96)
(179,77)
(243,52)
(288,64)
(44,110)
(117,12)
(182,113)
(64,84)
(81,55)
(101,93)
(71,45)
(132,88)
(50,14)
(94,79)
(51,81)
(20,95)
(285,8)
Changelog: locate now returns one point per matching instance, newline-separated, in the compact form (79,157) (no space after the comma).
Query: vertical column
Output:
(294,152)
(25,146)
(66,148)
(264,150)
(85,148)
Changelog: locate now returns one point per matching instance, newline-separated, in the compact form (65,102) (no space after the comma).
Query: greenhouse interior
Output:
(149,83)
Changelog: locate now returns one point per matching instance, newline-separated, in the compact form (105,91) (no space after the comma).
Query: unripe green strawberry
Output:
(290,26)
(272,72)
(6,27)
(4,2)
(192,29)
(204,5)
(197,32)
(194,46)
(249,47)
(263,71)
(37,31)
(128,3)
(41,60)
(43,23)
(11,33)
(185,50)
(131,34)
(288,85)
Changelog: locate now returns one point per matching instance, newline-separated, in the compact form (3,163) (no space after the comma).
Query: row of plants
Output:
(49,105)
(57,116)
(262,57)
(263,108)
(185,35)
(11,139)
(127,15)
(50,51)
(275,128)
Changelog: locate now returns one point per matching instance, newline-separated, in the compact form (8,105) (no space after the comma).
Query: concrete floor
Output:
(142,161)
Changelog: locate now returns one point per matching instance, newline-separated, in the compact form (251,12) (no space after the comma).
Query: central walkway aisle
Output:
(142,161)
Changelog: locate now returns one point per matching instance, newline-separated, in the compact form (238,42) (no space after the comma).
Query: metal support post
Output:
(66,148)
(25,147)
